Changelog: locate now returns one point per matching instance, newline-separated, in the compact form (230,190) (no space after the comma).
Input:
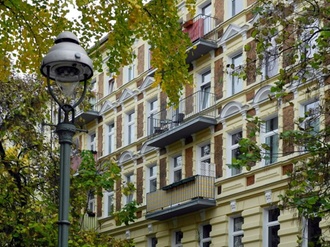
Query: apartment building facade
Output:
(178,158)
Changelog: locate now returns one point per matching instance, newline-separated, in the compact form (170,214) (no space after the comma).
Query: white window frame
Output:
(108,203)
(207,18)
(234,233)
(109,82)
(152,109)
(270,62)
(152,178)
(231,147)
(152,241)
(235,83)
(314,107)
(271,156)
(110,138)
(130,127)
(177,236)
(305,231)
(203,239)
(205,89)
(176,166)
(129,178)
(92,141)
(267,225)
(205,167)
(235,7)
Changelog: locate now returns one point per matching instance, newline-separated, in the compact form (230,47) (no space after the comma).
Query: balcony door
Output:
(206,15)
(205,90)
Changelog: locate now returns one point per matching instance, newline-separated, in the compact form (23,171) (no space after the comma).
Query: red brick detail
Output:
(118,194)
(139,214)
(162,172)
(140,58)
(250,2)
(288,124)
(100,141)
(189,162)
(287,169)
(250,180)
(100,84)
(99,206)
(119,135)
(140,122)
(251,60)
(139,161)
(139,185)
(218,127)
(249,95)
(218,78)
(119,79)
(139,83)
(288,46)
(218,153)
(219,189)
(219,11)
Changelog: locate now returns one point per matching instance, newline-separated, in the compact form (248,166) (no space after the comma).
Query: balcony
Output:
(194,113)
(183,197)
(84,117)
(201,31)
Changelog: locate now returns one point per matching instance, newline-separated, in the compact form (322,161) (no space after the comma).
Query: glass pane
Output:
(178,237)
(238,222)
(238,241)
(177,175)
(207,244)
(272,124)
(273,214)
(153,185)
(236,137)
(206,231)
(273,238)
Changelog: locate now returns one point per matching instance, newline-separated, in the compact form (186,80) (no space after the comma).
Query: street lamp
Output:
(68,64)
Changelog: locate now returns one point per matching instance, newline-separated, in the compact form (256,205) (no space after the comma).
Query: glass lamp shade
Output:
(67,79)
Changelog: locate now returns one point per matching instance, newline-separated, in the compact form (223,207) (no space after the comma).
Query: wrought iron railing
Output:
(181,192)
(200,103)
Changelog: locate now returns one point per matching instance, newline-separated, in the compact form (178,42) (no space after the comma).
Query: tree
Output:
(297,34)
(29,174)
(29,28)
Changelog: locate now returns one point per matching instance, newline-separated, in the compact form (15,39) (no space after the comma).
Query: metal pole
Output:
(65,131)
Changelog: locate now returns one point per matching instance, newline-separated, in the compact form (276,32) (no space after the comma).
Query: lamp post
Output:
(68,64)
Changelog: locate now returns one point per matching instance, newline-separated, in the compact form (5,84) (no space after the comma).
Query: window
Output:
(205,89)
(271,139)
(205,168)
(308,39)
(152,110)
(91,202)
(235,82)
(109,82)
(130,128)
(92,142)
(236,232)
(235,6)
(110,141)
(270,62)
(234,152)
(177,169)
(108,205)
(206,15)
(177,236)
(152,178)
(152,241)
(129,180)
(205,238)
(311,232)
(271,227)
(311,117)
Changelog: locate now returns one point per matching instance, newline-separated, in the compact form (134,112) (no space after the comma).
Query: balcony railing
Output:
(89,222)
(201,26)
(188,195)
(193,113)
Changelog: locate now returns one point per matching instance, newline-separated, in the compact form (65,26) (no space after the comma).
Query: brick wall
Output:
(218,154)
(219,11)
(288,124)
(140,122)
(251,63)
(162,171)
(140,58)
(118,194)
(100,84)
(119,79)
(218,78)
(119,135)
(139,185)
(189,162)
(100,141)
